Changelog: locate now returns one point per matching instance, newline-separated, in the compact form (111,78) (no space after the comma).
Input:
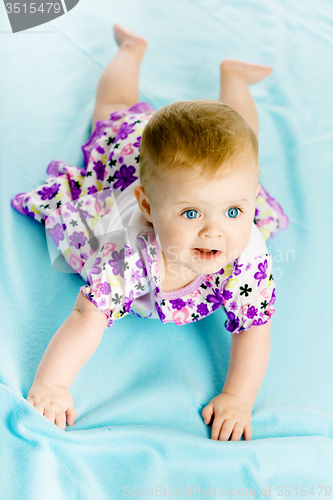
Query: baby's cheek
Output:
(239,244)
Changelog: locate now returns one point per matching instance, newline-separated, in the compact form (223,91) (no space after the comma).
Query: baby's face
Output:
(192,217)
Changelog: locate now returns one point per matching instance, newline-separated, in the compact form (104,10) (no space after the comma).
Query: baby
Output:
(174,241)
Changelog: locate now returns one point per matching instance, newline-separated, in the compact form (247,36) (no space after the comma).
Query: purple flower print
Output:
(226,294)
(77,240)
(202,309)
(48,192)
(232,322)
(26,211)
(233,306)
(117,262)
(100,150)
(53,168)
(125,177)
(248,266)
(102,302)
(137,143)
(100,170)
(271,302)
(95,270)
(258,322)
(139,264)
(57,233)
(177,304)
(116,115)
(190,303)
(256,212)
(159,311)
(85,214)
(215,299)
(128,301)
(136,275)
(261,274)
(237,269)
(75,189)
(71,207)
(129,251)
(121,160)
(83,171)
(101,195)
(251,312)
(124,131)
(105,288)
(84,256)
(92,189)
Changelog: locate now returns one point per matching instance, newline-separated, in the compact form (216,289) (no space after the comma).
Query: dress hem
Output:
(107,313)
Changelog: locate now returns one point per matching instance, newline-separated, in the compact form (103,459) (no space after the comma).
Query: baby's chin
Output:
(210,264)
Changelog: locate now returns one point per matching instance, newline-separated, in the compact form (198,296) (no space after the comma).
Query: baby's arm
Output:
(69,349)
(249,357)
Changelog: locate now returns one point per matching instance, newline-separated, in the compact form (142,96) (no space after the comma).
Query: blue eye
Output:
(233,212)
(191,212)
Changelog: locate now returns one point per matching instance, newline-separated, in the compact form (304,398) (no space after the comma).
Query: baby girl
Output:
(165,221)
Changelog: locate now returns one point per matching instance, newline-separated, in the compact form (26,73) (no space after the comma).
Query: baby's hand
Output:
(231,414)
(54,402)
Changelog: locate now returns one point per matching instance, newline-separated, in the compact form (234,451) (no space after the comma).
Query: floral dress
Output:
(94,227)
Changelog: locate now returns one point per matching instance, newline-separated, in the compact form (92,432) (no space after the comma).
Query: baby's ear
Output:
(258,189)
(143,202)
(136,191)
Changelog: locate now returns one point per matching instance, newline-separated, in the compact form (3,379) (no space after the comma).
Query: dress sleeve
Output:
(118,276)
(249,294)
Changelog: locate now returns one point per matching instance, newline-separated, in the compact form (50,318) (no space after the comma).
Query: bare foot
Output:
(128,37)
(252,73)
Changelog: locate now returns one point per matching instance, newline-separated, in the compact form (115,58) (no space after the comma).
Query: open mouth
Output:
(206,253)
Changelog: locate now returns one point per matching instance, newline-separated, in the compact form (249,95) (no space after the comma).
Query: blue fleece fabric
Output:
(139,430)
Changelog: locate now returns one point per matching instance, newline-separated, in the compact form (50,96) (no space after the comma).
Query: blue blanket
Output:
(139,398)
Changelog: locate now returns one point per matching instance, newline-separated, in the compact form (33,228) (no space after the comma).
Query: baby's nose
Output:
(211,230)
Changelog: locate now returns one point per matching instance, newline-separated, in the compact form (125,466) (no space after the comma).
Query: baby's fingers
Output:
(226,429)
(237,432)
(56,417)
(50,414)
(60,420)
(248,432)
(39,407)
(71,415)
(207,413)
(216,427)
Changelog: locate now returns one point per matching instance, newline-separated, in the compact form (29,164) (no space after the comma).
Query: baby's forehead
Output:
(186,187)
(197,178)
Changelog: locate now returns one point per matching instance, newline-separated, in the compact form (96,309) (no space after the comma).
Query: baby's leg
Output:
(118,86)
(235,78)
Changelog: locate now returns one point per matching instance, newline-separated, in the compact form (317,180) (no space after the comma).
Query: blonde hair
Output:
(200,135)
